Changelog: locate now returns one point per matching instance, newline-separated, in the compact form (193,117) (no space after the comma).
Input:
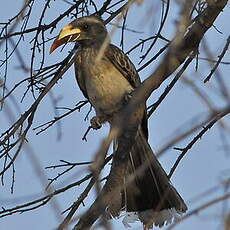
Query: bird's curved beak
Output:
(67,34)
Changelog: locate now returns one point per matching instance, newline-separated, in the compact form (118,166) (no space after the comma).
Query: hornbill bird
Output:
(106,83)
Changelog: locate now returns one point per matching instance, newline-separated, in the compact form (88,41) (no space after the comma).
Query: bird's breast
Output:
(106,87)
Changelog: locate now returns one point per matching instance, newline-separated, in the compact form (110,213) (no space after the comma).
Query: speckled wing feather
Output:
(121,61)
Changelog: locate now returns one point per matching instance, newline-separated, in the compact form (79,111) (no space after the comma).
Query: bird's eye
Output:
(85,26)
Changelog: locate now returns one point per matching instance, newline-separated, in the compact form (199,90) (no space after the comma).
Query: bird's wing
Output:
(121,61)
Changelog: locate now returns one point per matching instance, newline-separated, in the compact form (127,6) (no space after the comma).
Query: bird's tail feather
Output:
(148,191)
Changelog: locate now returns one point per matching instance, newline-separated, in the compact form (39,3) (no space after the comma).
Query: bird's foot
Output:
(96,122)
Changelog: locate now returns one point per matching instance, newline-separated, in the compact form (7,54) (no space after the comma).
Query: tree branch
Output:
(130,116)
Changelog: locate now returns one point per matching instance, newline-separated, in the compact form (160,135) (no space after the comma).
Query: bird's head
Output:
(85,31)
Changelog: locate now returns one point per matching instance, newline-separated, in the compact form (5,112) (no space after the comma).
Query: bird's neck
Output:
(91,44)
(90,52)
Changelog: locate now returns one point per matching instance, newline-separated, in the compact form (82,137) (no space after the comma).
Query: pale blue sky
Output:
(200,170)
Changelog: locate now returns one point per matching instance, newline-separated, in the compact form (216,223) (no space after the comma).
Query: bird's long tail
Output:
(148,192)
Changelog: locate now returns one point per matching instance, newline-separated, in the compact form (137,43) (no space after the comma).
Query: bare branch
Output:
(219,60)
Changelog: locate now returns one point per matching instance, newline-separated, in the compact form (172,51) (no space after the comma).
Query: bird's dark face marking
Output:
(85,30)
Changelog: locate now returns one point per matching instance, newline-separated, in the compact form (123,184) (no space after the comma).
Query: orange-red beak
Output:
(67,34)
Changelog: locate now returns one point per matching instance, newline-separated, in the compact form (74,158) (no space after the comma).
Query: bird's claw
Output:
(96,122)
